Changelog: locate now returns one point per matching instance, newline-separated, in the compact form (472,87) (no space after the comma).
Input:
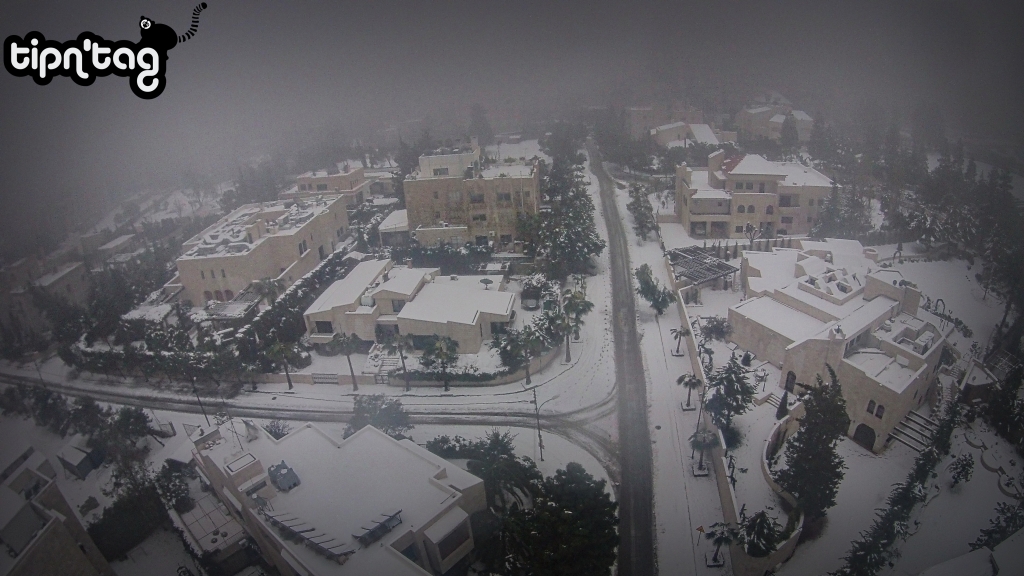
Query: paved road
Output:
(636,492)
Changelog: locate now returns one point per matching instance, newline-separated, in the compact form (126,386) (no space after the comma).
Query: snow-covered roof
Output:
(678,144)
(711,194)
(883,368)
(801,115)
(668,127)
(403,281)
(117,242)
(397,221)
(789,322)
(63,270)
(523,150)
(348,290)
(460,302)
(758,109)
(1009,555)
(349,486)
(755,165)
(776,269)
(507,171)
(799,175)
(778,119)
(704,134)
(150,312)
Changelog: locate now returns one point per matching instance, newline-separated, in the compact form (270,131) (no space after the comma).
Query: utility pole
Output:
(540,440)
(203,410)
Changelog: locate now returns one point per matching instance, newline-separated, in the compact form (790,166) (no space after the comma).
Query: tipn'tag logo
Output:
(90,56)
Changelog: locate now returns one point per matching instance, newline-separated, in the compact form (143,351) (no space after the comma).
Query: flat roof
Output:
(703,133)
(776,316)
(755,165)
(801,115)
(508,171)
(436,302)
(348,486)
(799,175)
(350,288)
(52,277)
(397,221)
(402,280)
(120,240)
(882,367)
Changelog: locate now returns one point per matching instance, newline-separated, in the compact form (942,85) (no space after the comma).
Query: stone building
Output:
(368,505)
(778,198)
(40,531)
(456,198)
(280,240)
(347,181)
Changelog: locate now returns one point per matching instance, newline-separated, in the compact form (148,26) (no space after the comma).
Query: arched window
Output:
(229,295)
(219,295)
(880,411)
(871,406)
(207,296)
(741,209)
(769,210)
(750,208)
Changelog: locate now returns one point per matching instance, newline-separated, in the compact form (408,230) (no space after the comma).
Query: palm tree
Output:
(691,383)
(720,534)
(278,353)
(440,356)
(574,307)
(394,343)
(702,441)
(268,288)
(678,334)
(533,342)
(347,344)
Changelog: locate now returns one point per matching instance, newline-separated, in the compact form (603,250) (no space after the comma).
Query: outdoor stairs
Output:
(957,372)
(915,430)
(389,364)
(773,400)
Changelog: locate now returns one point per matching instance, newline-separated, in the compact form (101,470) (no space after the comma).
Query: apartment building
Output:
(765,121)
(281,240)
(824,304)
(19,317)
(40,531)
(377,295)
(775,197)
(346,180)
(682,134)
(456,198)
(368,505)
(640,120)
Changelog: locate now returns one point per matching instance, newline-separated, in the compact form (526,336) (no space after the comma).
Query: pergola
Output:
(698,266)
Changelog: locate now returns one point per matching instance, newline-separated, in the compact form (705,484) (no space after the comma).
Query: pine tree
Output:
(760,534)
(789,137)
(814,468)
(962,468)
(783,408)
(649,289)
(730,393)
(383,413)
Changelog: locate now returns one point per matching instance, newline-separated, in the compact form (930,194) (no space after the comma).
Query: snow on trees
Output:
(648,287)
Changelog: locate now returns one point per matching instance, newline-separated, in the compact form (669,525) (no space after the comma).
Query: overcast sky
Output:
(261,72)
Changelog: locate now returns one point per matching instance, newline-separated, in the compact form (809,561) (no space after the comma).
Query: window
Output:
(397,305)
(218,295)
(506,238)
(323,253)
(787,219)
(741,209)
(880,411)
(476,198)
(871,406)
(504,196)
(479,217)
(769,209)
(321,187)
(207,295)
(436,194)
(302,248)
(437,215)
(455,196)
(810,202)
(481,240)
(760,187)
(750,208)
(302,186)
(739,185)
(440,171)
(222,274)
(202,275)
(789,201)
(750,185)
(229,295)
(212,274)
(324,327)
(739,229)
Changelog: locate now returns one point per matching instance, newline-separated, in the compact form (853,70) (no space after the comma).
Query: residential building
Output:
(280,240)
(19,316)
(456,198)
(640,120)
(40,531)
(836,309)
(765,121)
(394,230)
(377,295)
(682,134)
(368,505)
(775,197)
(347,181)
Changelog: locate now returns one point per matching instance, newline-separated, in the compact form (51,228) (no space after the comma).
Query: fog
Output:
(264,76)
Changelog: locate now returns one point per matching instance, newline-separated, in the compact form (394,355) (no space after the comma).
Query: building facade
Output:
(456,199)
(778,198)
(347,181)
(280,240)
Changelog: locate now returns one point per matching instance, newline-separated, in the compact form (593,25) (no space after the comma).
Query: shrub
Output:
(746,359)
(127,522)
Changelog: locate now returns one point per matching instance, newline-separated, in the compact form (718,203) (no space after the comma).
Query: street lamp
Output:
(203,410)
(540,439)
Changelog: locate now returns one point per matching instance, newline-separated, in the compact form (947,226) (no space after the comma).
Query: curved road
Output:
(636,492)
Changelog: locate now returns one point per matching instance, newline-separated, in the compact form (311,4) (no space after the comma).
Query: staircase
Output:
(915,431)
(389,364)
(773,400)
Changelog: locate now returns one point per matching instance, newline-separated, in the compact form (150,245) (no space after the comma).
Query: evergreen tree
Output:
(640,208)
(789,138)
(730,393)
(651,290)
(383,413)
(962,468)
(173,488)
(479,126)
(439,357)
(830,218)
(783,408)
(760,534)
(1009,519)
(814,468)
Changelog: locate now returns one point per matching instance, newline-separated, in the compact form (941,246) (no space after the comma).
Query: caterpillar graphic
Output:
(162,37)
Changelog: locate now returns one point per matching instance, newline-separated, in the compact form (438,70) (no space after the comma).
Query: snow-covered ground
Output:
(161,553)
